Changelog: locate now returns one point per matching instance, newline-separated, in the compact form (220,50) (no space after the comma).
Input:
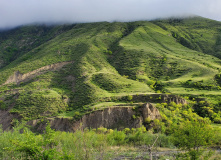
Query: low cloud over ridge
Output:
(19,12)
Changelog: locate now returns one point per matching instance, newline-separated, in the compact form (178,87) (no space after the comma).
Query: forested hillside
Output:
(68,71)
(108,60)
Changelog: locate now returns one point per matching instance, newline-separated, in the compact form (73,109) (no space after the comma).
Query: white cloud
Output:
(18,12)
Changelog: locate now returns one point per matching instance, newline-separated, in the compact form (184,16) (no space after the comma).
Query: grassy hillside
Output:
(108,61)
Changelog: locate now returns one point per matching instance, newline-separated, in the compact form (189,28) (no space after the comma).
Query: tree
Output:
(192,136)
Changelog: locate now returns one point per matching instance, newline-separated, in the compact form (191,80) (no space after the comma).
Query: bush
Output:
(192,136)
(35,147)
(2,105)
(129,97)
(116,138)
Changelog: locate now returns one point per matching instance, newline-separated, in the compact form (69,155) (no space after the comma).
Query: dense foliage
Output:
(98,143)
(114,59)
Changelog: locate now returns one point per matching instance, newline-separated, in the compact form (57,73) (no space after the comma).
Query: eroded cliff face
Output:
(115,117)
(111,118)
(6,120)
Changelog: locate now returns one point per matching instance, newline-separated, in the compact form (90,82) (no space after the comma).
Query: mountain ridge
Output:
(111,60)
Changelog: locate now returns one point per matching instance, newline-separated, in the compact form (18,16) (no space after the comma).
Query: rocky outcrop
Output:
(18,77)
(151,112)
(111,118)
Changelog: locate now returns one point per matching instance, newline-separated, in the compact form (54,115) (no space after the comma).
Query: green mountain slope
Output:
(107,61)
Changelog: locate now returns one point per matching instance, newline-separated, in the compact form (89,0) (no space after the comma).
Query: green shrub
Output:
(35,147)
(129,97)
(126,130)
(2,105)
(147,120)
(101,130)
(116,138)
(192,136)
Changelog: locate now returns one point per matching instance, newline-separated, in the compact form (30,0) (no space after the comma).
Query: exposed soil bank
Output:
(111,118)
(18,77)
(114,117)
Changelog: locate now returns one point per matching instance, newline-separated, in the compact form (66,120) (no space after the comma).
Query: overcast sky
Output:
(20,12)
